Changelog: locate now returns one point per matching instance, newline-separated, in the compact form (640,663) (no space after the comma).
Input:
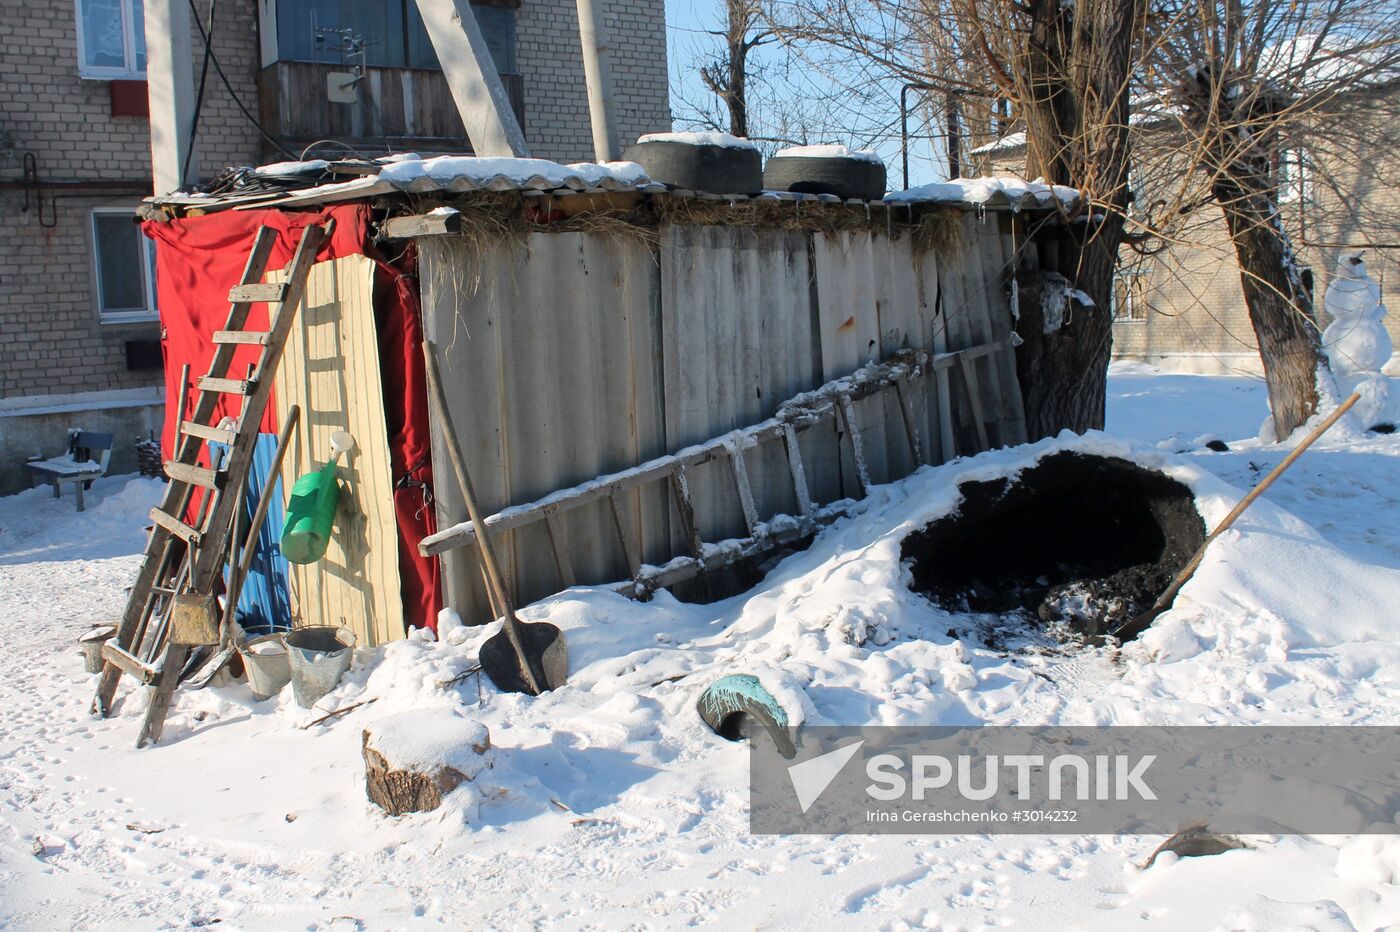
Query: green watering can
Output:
(311,511)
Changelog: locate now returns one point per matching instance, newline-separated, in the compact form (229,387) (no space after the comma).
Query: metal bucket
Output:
(91,644)
(320,655)
(268,670)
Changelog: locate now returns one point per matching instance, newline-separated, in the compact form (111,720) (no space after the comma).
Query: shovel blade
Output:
(545,651)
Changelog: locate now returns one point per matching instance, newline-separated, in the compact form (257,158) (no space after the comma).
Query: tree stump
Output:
(414,759)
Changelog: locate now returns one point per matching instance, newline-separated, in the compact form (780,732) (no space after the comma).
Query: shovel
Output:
(522,658)
(1131,629)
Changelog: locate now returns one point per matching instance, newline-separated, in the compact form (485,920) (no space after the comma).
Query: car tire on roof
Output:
(842,176)
(708,168)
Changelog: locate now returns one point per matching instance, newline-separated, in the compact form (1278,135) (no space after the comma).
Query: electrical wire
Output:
(199,98)
(228,85)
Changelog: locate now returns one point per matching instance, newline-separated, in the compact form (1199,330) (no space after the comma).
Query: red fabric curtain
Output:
(198,259)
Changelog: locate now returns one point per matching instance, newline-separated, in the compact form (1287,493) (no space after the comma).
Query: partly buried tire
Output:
(839,175)
(708,168)
(731,700)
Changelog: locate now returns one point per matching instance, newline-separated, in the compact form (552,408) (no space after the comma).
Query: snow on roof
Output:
(828,152)
(1009,141)
(723,140)
(1017,192)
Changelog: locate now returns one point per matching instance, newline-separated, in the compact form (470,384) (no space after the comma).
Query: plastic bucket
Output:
(91,644)
(265,660)
(310,515)
(320,655)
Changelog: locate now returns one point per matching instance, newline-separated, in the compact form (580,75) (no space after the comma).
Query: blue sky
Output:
(685,22)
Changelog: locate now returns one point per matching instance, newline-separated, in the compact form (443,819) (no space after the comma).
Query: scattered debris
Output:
(145,828)
(336,714)
(1197,842)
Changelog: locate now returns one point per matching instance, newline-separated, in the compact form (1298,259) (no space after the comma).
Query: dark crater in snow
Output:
(1073,547)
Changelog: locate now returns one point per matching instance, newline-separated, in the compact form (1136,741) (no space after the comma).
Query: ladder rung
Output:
(208,383)
(175,526)
(194,475)
(255,337)
(246,294)
(205,432)
(127,663)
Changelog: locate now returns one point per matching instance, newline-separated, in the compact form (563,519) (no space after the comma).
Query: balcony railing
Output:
(398,108)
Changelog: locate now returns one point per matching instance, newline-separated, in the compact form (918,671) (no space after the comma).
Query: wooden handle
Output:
(1190,568)
(488,556)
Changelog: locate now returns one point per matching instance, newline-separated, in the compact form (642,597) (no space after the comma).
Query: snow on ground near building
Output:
(609,804)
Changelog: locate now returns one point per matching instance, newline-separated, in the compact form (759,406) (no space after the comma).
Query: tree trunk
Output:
(1280,308)
(1075,65)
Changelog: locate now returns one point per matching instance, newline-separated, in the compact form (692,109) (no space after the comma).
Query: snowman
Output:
(1357,343)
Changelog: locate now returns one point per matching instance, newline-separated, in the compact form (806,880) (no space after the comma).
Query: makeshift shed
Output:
(591,323)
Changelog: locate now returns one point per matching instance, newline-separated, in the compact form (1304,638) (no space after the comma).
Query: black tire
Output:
(838,175)
(712,169)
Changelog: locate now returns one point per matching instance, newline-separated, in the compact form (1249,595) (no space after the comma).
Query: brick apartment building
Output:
(1184,309)
(79,338)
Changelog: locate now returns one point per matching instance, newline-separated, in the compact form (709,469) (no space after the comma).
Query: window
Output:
(393,32)
(124,266)
(111,39)
(1129,296)
(1294,176)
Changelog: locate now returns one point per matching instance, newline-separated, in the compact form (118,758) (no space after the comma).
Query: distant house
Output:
(1184,309)
(79,337)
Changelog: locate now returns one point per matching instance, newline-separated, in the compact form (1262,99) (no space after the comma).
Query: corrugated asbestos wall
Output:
(570,355)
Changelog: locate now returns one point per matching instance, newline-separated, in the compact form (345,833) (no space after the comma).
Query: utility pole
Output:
(596,75)
(471,74)
(170,84)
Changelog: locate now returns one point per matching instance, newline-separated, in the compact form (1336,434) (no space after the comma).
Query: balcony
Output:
(398,108)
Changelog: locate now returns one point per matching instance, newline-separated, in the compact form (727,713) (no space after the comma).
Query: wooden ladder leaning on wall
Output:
(164,587)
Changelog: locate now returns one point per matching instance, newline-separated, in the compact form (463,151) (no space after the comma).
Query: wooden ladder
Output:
(140,649)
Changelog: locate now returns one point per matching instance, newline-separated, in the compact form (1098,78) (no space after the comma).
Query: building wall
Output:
(51,340)
(556,99)
(1195,316)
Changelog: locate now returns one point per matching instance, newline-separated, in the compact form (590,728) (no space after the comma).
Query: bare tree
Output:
(727,75)
(1233,93)
(1064,69)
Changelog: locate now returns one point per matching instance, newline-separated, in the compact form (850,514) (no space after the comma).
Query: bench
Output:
(86,460)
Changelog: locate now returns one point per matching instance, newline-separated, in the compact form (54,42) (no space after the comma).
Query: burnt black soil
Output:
(1076,545)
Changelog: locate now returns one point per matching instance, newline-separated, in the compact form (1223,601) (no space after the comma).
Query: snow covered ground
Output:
(611,806)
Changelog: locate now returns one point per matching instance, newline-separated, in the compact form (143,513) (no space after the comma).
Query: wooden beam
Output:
(441,221)
(480,96)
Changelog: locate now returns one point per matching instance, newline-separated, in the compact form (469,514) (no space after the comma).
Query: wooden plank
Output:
(685,507)
(624,532)
(974,397)
(797,471)
(127,663)
(559,543)
(175,526)
(852,425)
(266,292)
(208,383)
(330,369)
(236,337)
(911,425)
(742,486)
(215,434)
(433,224)
(193,475)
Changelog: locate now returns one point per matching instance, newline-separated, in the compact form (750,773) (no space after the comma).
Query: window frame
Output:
(128,72)
(119,316)
(1134,280)
(1296,187)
